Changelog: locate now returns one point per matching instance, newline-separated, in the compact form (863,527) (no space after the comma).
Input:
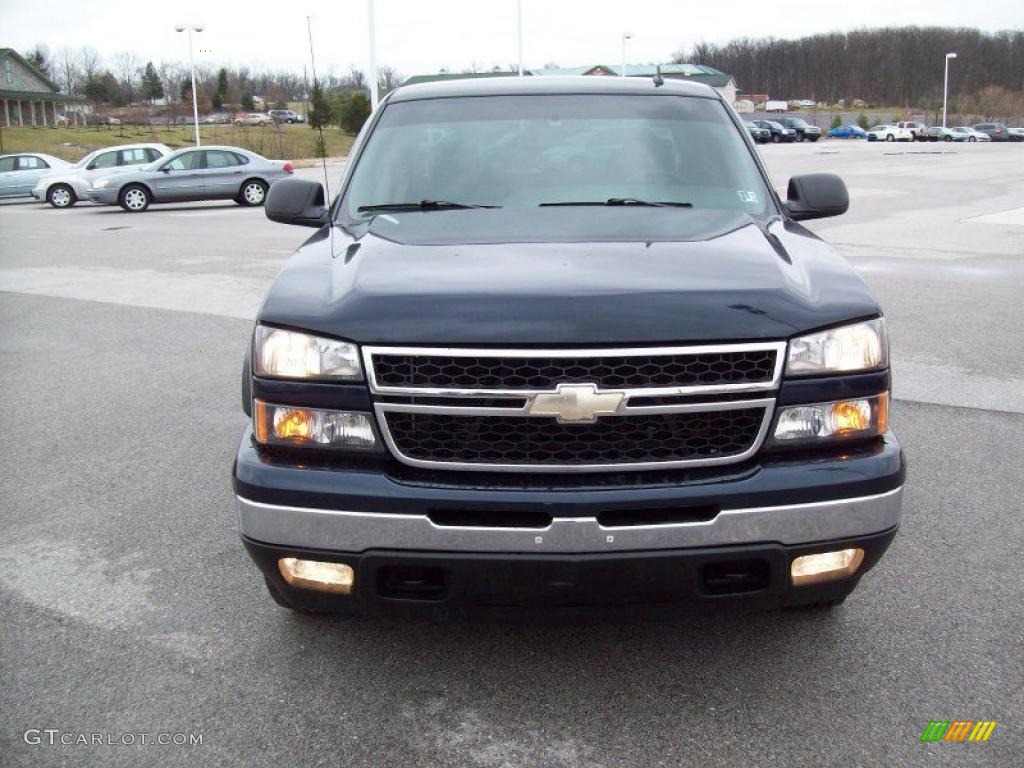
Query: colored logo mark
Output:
(958,730)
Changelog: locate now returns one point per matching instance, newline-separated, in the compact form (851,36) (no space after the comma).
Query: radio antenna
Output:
(320,127)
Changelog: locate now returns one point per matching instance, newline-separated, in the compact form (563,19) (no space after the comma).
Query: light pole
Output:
(374,77)
(945,87)
(625,36)
(192,65)
(519,28)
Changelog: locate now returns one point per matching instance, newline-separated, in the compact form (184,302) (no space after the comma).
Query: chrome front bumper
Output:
(350,531)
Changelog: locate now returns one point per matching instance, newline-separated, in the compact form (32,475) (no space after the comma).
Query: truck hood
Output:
(740,280)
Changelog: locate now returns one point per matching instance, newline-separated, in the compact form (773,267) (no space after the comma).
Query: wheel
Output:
(972,138)
(799,137)
(813,139)
(289,121)
(134,198)
(238,123)
(253,193)
(947,138)
(890,137)
(61,196)
(775,138)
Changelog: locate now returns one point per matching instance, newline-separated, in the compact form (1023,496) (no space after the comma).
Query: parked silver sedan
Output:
(65,187)
(20,172)
(207,173)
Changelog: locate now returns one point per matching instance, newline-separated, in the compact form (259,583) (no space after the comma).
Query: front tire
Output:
(253,193)
(775,138)
(890,137)
(972,138)
(61,196)
(947,138)
(134,198)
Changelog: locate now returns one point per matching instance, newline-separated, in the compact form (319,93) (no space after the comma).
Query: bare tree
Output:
(127,66)
(89,62)
(387,78)
(67,70)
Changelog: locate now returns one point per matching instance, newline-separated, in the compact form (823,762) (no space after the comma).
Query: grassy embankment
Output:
(278,142)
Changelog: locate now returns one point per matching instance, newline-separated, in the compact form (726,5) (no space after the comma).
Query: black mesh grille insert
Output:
(546,373)
(539,442)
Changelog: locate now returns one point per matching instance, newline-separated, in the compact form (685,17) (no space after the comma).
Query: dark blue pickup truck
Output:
(558,346)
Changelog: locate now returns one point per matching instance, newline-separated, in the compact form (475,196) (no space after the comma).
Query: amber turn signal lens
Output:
(293,424)
(851,415)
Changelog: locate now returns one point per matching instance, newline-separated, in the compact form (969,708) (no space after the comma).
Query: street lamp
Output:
(945,87)
(519,29)
(374,76)
(190,28)
(625,36)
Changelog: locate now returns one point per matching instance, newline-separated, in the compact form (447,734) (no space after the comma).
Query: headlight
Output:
(850,348)
(290,355)
(312,427)
(836,421)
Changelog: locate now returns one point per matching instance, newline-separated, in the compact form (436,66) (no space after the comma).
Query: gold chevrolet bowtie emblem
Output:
(576,403)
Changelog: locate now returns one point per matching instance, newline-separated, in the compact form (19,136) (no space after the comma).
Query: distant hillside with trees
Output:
(894,66)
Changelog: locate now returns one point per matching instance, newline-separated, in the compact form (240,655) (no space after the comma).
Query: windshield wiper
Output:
(422,205)
(625,201)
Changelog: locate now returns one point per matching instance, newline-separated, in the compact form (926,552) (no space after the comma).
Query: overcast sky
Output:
(417,36)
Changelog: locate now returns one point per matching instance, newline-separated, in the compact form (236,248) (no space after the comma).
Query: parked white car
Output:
(970,134)
(19,171)
(889,133)
(65,187)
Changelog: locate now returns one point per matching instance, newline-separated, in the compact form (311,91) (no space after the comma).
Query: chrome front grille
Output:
(501,372)
(574,410)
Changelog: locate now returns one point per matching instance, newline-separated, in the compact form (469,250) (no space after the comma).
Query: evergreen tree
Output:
(247,103)
(320,109)
(222,89)
(355,112)
(152,88)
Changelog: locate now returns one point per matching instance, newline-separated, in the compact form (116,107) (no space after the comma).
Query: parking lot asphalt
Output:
(129,607)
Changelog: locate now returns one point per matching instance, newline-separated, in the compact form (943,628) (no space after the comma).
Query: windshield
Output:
(521,152)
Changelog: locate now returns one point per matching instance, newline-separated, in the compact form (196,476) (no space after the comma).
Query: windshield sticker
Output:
(747,196)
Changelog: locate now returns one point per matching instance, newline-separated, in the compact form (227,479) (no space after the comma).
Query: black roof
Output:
(517,86)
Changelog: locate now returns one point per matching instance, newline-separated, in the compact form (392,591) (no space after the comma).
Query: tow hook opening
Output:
(735,577)
(408,582)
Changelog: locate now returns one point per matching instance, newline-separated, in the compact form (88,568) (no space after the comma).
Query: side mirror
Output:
(165,169)
(296,201)
(816,195)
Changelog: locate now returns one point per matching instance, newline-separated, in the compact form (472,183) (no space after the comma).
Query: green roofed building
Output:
(29,97)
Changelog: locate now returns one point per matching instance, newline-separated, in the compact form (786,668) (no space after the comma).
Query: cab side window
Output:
(31,163)
(135,156)
(218,158)
(7,163)
(189,161)
(106,160)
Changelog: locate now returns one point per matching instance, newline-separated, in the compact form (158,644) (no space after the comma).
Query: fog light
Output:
(826,566)
(313,574)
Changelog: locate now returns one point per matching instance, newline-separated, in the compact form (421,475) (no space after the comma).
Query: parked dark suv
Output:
(996,131)
(557,345)
(804,130)
(779,132)
(286,116)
